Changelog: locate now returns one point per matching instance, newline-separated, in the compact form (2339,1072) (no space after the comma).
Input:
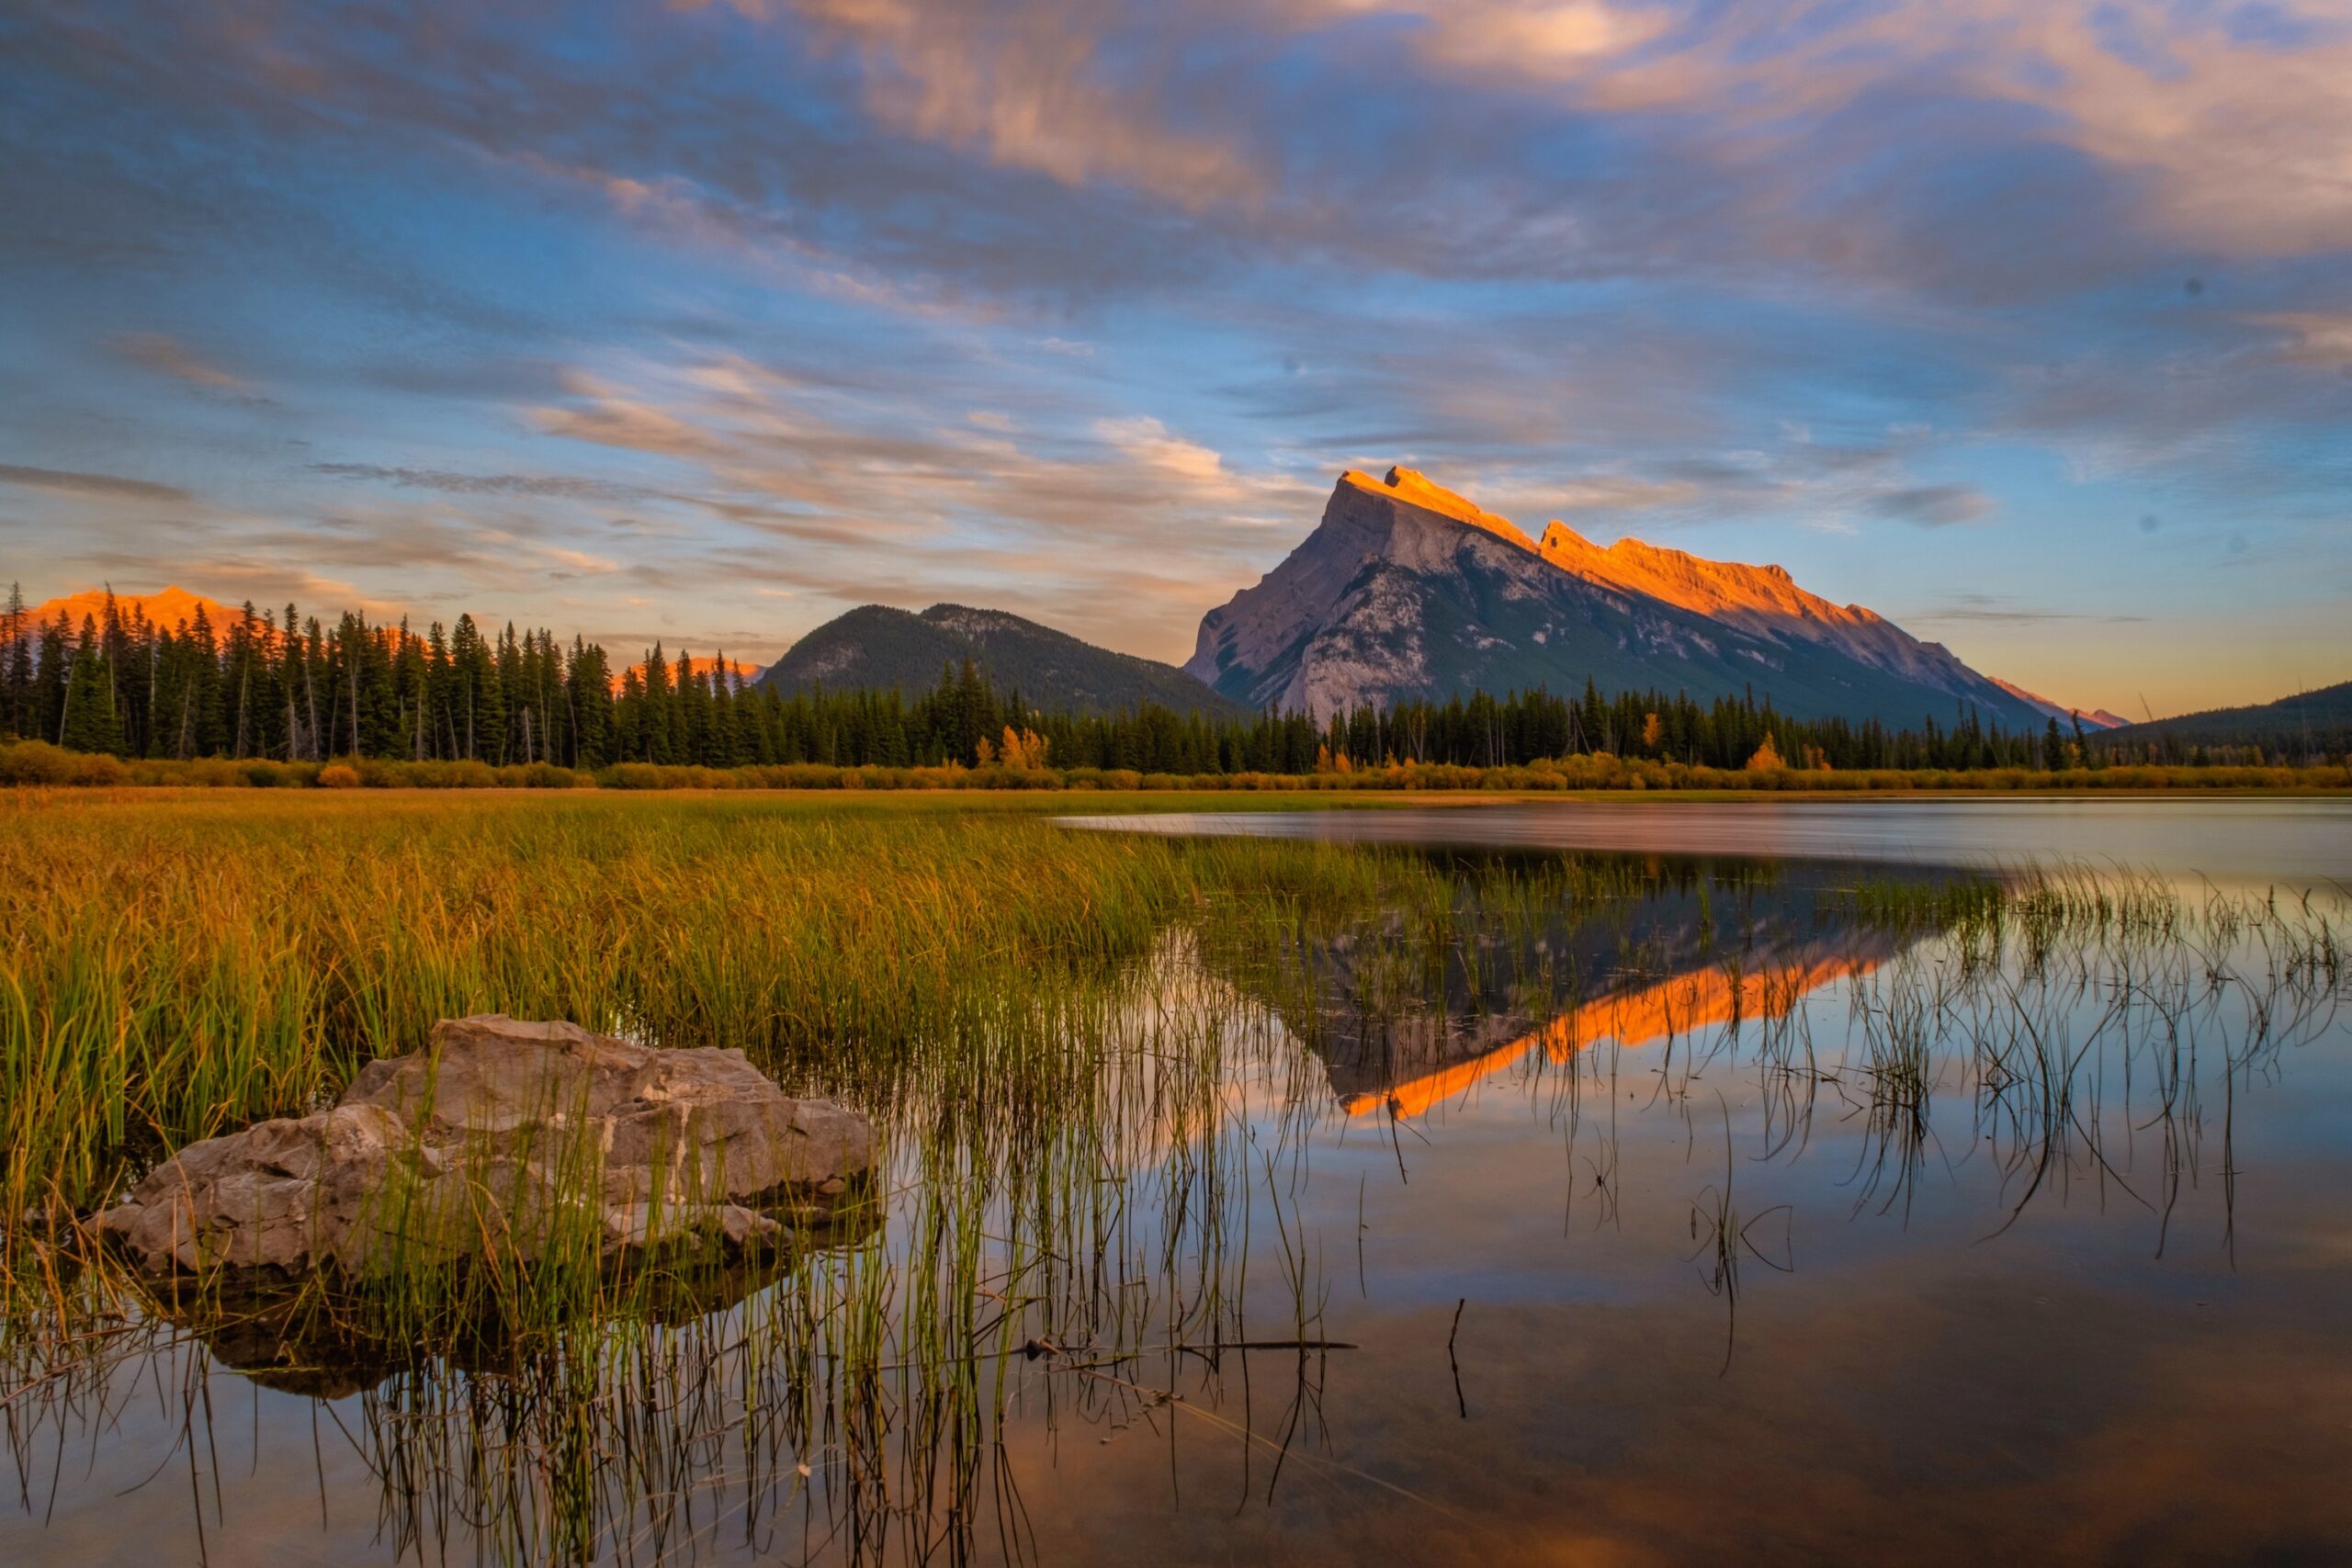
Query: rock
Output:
(503,1137)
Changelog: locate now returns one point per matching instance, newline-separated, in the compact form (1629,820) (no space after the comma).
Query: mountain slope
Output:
(2093,718)
(1405,589)
(876,647)
(2308,721)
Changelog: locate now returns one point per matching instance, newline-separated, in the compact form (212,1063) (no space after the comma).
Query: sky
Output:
(2026,322)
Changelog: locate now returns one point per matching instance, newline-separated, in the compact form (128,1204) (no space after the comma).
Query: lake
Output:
(2302,841)
(1627,1184)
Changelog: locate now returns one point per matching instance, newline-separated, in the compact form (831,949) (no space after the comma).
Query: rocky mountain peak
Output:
(1414,488)
(1385,601)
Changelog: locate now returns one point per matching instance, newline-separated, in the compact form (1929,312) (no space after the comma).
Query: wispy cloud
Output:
(552,485)
(167,355)
(1935,506)
(2003,610)
(1031,87)
(2321,338)
(102,485)
(960,510)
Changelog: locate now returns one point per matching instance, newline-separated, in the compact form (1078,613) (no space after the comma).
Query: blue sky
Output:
(2026,322)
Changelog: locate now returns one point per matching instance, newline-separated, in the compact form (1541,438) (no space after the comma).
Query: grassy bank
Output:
(36,763)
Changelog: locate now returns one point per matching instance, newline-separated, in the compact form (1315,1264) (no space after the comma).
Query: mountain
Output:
(1407,589)
(2093,718)
(701,664)
(2308,721)
(877,648)
(166,610)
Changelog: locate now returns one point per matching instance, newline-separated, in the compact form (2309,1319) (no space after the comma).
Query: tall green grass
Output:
(171,970)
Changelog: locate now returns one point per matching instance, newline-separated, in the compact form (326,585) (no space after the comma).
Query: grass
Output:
(175,969)
(37,763)
(1097,1064)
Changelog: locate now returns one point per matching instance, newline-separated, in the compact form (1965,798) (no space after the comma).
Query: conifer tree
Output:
(90,722)
(16,665)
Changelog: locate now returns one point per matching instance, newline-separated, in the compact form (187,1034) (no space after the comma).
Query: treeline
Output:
(274,687)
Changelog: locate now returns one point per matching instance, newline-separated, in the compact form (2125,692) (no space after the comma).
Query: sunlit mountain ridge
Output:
(1407,590)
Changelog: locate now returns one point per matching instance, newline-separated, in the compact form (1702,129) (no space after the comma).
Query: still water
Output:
(1594,1200)
(2298,841)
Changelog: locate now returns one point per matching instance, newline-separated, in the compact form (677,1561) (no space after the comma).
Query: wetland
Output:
(1638,1183)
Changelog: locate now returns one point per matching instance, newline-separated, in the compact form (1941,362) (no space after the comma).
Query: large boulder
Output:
(503,1137)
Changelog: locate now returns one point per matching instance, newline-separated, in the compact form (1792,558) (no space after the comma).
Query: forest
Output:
(276,686)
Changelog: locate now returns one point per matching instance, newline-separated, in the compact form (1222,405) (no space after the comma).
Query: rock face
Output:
(505,1135)
(1407,591)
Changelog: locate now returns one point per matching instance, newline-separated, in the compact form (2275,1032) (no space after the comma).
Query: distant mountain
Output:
(166,610)
(2093,718)
(874,647)
(1407,589)
(700,664)
(2308,721)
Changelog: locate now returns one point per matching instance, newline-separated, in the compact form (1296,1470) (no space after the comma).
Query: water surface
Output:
(2301,840)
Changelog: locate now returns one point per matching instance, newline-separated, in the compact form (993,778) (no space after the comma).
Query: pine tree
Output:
(90,722)
(17,665)
(588,685)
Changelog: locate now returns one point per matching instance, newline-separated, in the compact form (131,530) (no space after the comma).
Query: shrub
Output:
(338,775)
(36,762)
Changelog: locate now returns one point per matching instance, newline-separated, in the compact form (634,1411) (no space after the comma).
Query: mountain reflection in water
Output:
(1702,945)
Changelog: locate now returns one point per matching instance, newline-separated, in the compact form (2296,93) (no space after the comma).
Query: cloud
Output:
(1934,506)
(1050,525)
(2319,338)
(712,292)
(596,413)
(1551,41)
(2219,134)
(1611,492)
(1149,443)
(2001,609)
(166,355)
(935,154)
(105,485)
(1029,87)
(554,487)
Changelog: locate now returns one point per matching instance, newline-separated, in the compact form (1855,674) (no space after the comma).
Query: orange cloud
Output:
(2246,145)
